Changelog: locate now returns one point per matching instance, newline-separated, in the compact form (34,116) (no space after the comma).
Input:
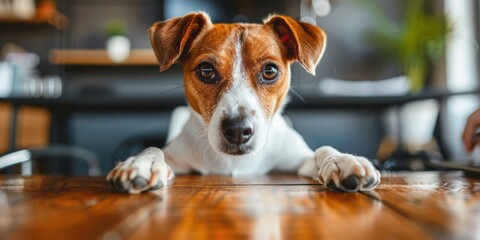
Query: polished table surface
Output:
(421,205)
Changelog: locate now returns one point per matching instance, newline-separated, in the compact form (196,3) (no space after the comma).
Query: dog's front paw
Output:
(144,172)
(347,173)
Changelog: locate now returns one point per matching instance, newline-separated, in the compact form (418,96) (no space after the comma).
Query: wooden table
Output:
(426,205)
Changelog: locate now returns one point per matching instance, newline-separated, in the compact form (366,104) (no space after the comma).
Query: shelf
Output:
(56,19)
(170,101)
(99,57)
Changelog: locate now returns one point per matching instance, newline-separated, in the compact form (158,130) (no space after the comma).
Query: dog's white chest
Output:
(248,165)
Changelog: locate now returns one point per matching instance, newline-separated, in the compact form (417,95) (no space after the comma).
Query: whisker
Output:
(172,89)
(203,148)
(195,142)
(298,95)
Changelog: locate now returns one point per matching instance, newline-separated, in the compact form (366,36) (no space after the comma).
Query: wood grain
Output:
(271,212)
(407,206)
(447,203)
(43,207)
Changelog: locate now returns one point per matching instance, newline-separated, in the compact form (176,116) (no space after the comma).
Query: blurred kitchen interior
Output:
(396,83)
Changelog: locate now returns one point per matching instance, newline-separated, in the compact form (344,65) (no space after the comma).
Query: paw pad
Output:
(351,183)
(139,182)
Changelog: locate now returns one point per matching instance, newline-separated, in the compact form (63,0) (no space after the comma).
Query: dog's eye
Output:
(206,73)
(269,74)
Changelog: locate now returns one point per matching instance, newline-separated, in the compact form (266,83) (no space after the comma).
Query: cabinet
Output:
(36,35)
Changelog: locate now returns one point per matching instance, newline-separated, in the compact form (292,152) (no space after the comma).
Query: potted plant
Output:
(416,44)
(118,44)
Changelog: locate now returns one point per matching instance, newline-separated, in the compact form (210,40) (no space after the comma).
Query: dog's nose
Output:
(236,130)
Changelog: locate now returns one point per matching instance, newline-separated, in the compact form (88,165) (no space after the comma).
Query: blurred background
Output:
(80,88)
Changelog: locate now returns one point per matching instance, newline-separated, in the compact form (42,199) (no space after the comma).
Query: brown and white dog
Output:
(236,78)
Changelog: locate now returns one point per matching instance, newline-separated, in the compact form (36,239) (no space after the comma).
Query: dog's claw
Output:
(116,183)
(157,186)
(331,186)
(370,182)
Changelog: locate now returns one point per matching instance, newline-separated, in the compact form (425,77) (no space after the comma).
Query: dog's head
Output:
(236,75)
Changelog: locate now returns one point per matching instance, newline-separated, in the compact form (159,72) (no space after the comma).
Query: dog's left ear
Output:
(172,39)
(303,42)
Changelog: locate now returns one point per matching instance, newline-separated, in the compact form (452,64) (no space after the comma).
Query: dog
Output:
(236,78)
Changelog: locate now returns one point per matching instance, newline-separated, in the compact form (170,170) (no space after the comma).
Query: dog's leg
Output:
(340,171)
(146,171)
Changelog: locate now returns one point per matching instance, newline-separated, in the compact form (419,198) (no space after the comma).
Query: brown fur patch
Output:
(259,48)
(215,48)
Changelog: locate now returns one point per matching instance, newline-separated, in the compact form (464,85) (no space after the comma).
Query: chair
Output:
(25,157)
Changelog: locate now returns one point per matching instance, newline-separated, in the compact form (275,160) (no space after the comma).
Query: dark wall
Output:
(354,131)
(90,20)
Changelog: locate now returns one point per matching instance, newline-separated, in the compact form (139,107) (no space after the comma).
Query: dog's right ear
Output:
(173,38)
(303,42)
